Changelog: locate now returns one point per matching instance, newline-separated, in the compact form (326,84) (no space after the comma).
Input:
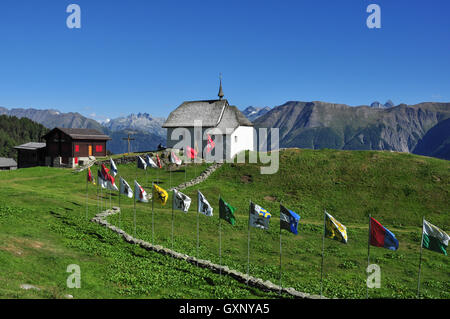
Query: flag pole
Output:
(101,197)
(98,185)
(220,241)
(87,183)
(198,231)
(173,200)
(248,244)
(120,210)
(280,258)
(153,223)
(323,248)
(134,214)
(420,261)
(368,258)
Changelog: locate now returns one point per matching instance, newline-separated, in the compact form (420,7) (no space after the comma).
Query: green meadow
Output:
(43,228)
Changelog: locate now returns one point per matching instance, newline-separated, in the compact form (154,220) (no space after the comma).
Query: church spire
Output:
(221,95)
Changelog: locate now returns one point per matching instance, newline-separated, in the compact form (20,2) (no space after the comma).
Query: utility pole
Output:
(128,139)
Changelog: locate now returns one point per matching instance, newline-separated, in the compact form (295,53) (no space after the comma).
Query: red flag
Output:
(191,152)
(210,145)
(158,162)
(90,178)
(107,175)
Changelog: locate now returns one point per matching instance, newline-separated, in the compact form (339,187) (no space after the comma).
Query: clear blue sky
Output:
(149,56)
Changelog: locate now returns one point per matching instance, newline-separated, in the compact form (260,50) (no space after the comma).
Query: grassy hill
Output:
(43,229)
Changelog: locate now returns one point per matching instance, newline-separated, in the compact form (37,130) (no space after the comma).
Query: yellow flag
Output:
(334,229)
(160,194)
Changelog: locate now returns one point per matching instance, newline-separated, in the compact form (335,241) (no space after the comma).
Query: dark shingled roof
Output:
(212,113)
(7,162)
(81,133)
(30,146)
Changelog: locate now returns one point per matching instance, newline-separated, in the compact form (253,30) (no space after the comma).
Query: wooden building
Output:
(30,154)
(7,164)
(67,146)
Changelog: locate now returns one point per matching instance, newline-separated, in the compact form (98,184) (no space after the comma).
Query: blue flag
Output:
(288,220)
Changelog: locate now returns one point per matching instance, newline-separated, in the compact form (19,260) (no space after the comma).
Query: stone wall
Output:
(251,281)
(101,218)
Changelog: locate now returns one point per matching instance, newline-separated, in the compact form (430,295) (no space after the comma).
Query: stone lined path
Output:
(101,219)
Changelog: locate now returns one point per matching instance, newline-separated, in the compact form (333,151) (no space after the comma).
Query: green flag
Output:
(434,238)
(226,211)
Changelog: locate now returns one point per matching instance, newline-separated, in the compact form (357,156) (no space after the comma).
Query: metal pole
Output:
(323,247)
(248,244)
(368,258)
(134,215)
(98,203)
(198,231)
(280,262)
(101,198)
(153,223)
(87,183)
(120,209)
(173,199)
(220,241)
(420,261)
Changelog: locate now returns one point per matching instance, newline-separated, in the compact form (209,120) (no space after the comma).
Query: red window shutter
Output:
(98,148)
(77,148)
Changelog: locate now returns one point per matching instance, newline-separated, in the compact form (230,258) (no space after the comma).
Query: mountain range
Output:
(252,112)
(423,128)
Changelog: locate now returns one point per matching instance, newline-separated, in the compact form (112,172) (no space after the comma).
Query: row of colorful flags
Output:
(433,237)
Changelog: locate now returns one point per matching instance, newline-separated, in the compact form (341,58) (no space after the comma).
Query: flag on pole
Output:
(289,220)
(113,167)
(174,159)
(158,161)
(160,194)
(380,236)
(141,163)
(226,211)
(125,188)
(90,178)
(101,181)
(334,229)
(434,238)
(181,201)
(259,217)
(110,181)
(150,162)
(191,152)
(203,205)
(210,145)
(139,193)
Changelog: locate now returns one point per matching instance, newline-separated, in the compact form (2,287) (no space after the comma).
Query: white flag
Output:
(125,188)
(174,159)
(150,162)
(141,163)
(113,167)
(181,201)
(203,205)
(139,193)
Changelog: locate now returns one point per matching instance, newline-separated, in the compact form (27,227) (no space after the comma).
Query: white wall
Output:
(244,141)
(244,135)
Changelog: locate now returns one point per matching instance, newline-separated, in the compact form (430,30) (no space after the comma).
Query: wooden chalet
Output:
(67,146)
